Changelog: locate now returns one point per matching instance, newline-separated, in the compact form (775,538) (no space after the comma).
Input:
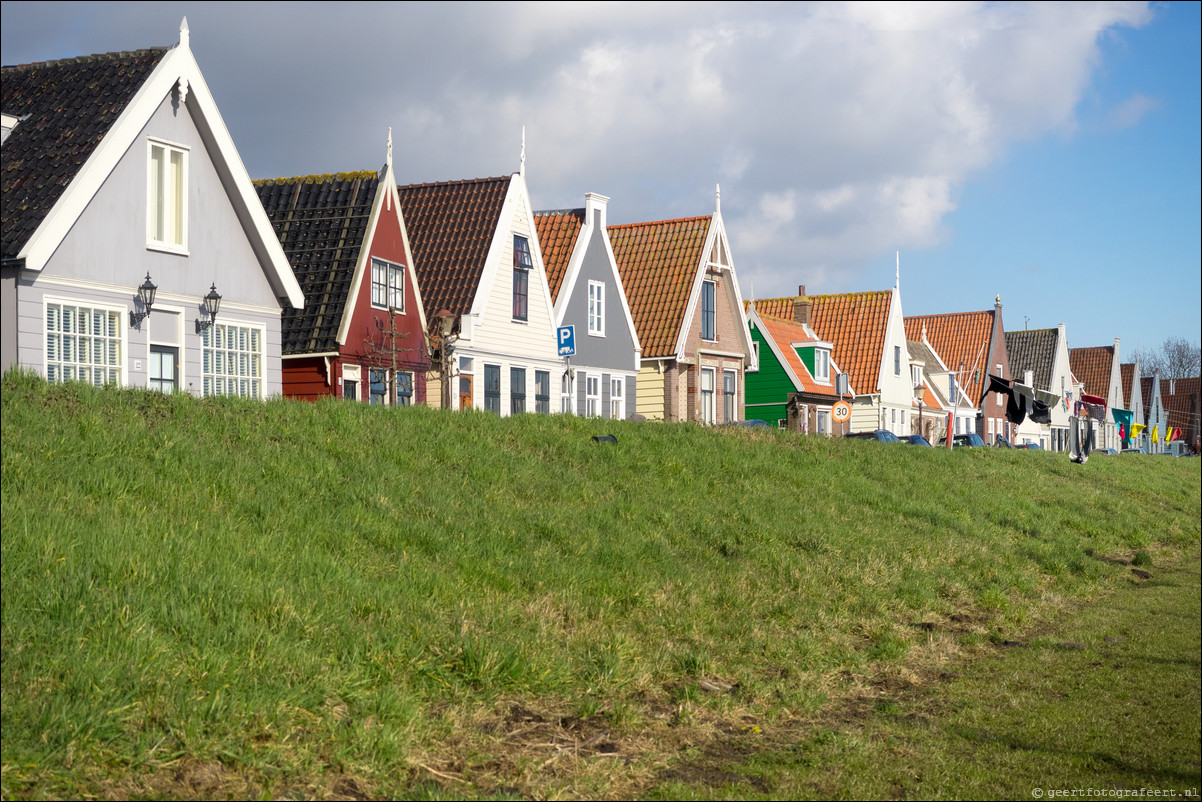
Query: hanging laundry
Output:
(1137,428)
(1123,418)
(1015,413)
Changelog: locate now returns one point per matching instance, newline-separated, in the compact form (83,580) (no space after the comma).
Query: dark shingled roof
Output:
(451,226)
(65,109)
(1034,351)
(321,221)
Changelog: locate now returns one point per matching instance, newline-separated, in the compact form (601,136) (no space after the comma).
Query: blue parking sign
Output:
(567,340)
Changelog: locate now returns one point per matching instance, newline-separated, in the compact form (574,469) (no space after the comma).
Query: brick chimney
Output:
(802,308)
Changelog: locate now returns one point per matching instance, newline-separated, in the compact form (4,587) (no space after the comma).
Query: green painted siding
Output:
(807,357)
(769,386)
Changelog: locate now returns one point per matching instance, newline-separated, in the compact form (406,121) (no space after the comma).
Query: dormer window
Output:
(915,375)
(10,122)
(167,196)
(523,263)
(387,285)
(822,365)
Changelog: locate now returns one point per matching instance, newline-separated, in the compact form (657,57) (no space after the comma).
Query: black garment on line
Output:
(1015,413)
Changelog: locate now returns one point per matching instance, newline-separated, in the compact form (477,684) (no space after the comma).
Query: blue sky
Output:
(1047,153)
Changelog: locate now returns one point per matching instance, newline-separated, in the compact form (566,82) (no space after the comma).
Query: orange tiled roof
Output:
(853,322)
(557,234)
(450,227)
(658,263)
(1127,376)
(958,338)
(1092,367)
(785,333)
(1182,406)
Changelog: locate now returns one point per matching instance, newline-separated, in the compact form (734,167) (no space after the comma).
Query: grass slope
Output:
(226,598)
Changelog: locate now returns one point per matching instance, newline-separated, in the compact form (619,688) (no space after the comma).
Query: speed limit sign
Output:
(841,411)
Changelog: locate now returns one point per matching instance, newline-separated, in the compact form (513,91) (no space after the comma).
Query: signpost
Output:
(566,337)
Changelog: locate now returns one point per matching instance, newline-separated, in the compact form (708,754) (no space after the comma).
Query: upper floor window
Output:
(387,285)
(596,308)
(167,196)
(822,365)
(522,264)
(708,300)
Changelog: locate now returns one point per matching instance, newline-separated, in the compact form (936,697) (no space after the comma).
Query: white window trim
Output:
(708,414)
(392,269)
(592,401)
(735,395)
(822,358)
(617,402)
(155,338)
(567,396)
(122,312)
(263,363)
(599,331)
(152,243)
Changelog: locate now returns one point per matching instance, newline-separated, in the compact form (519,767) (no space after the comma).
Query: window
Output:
(542,392)
(822,365)
(378,381)
(404,388)
(897,360)
(707,395)
(232,362)
(83,344)
(616,400)
(730,410)
(522,264)
(164,368)
(565,394)
(350,390)
(592,396)
(492,388)
(708,326)
(387,285)
(916,375)
(596,308)
(517,390)
(167,185)
(824,425)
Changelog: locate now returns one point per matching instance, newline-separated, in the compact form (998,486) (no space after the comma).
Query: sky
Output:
(1045,153)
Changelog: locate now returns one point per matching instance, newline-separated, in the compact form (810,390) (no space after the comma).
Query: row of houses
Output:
(137,250)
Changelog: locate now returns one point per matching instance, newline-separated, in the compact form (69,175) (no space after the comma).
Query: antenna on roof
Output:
(717,198)
(522,165)
(183,33)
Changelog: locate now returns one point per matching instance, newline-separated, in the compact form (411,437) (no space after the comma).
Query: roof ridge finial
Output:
(522,163)
(717,198)
(897,275)
(183,33)
(388,157)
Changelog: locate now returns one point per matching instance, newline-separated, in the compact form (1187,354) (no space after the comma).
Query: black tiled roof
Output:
(451,226)
(65,109)
(321,221)
(1034,351)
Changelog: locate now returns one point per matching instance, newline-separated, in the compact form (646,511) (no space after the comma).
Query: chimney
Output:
(802,307)
(595,204)
(801,289)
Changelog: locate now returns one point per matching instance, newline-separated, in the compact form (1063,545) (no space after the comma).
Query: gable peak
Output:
(183,34)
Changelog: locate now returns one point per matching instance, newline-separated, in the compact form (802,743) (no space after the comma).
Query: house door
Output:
(164,368)
(465,392)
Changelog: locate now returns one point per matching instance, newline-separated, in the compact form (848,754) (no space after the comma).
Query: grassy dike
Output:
(221,598)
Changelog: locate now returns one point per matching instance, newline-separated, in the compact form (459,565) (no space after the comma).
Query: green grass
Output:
(1108,699)
(220,597)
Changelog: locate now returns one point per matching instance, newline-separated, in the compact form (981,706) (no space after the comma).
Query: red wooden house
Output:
(361,335)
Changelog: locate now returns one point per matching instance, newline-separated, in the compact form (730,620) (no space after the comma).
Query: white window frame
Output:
(730,401)
(174,197)
(824,421)
(707,395)
(617,398)
(387,285)
(596,308)
(254,376)
(117,317)
(822,365)
(592,395)
(567,398)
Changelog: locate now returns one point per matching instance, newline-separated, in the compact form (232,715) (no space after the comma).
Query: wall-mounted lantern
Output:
(146,296)
(212,307)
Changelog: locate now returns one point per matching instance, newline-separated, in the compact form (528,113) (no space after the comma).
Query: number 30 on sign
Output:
(841,411)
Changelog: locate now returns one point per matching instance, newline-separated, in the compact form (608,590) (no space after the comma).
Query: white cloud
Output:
(1131,111)
(838,131)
